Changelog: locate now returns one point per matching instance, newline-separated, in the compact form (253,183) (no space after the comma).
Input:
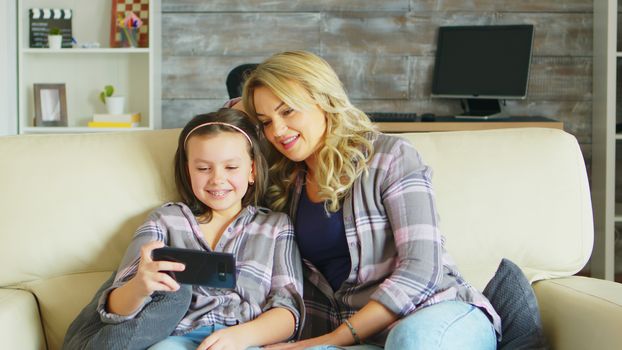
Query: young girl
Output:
(219,173)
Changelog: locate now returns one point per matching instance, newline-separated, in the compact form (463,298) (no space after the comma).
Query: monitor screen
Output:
(483,61)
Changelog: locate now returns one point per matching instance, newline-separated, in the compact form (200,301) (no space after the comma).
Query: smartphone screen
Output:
(209,269)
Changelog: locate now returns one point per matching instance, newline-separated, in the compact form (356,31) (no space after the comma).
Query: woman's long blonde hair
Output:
(347,143)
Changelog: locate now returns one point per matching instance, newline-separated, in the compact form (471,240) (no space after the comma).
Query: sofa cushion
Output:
(505,170)
(513,298)
(20,323)
(120,177)
(155,322)
(580,312)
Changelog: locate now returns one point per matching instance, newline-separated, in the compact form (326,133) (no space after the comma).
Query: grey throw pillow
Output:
(511,295)
(155,322)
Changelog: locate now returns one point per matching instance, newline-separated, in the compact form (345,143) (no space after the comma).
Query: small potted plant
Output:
(114,104)
(55,38)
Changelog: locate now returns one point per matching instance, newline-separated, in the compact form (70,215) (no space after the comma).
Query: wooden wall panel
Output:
(437,106)
(423,73)
(375,5)
(238,34)
(176,113)
(382,50)
(283,5)
(359,33)
(193,77)
(502,5)
(199,76)
(388,33)
(372,77)
(561,78)
(568,34)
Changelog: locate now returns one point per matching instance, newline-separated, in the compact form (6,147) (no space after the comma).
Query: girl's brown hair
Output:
(254,194)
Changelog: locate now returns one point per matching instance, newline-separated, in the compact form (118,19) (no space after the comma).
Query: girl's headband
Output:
(217,123)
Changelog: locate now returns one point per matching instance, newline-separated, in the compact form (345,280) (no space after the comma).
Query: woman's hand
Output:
(149,277)
(369,320)
(231,338)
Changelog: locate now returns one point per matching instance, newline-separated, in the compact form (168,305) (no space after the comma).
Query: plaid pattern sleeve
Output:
(151,230)
(410,209)
(286,286)
(396,246)
(268,267)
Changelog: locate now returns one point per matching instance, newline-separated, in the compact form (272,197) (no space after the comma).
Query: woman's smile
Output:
(289,142)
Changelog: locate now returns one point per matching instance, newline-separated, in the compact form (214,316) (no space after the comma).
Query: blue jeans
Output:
(443,326)
(188,341)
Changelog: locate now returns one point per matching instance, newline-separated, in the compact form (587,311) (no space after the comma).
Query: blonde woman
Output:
(376,272)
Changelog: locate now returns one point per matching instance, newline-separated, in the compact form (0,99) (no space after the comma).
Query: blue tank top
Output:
(322,240)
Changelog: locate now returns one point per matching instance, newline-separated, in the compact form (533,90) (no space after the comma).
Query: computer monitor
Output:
(481,65)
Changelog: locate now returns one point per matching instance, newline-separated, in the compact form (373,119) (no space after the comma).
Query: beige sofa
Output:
(70,203)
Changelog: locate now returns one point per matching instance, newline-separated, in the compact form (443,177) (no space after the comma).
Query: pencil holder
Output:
(129,37)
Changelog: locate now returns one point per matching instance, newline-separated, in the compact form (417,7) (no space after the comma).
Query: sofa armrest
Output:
(580,312)
(20,323)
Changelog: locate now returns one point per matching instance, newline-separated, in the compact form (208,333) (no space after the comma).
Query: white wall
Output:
(8,68)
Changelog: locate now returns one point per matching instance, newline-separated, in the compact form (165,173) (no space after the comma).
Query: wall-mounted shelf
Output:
(86,51)
(134,72)
(72,130)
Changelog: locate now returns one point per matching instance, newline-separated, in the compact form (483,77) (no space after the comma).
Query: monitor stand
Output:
(475,108)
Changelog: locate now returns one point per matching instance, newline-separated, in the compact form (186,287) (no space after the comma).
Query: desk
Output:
(453,124)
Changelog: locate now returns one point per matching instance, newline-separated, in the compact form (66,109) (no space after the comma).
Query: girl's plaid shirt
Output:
(268,266)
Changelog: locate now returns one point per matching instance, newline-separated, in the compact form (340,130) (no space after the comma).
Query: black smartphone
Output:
(210,269)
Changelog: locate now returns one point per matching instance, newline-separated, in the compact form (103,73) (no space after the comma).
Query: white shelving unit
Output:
(604,137)
(134,72)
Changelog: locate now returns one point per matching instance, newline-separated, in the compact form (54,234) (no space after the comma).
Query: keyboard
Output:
(378,117)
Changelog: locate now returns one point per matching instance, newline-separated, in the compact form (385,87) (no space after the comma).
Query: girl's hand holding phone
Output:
(150,276)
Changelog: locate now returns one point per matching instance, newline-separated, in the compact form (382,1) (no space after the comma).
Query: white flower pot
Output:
(115,104)
(55,42)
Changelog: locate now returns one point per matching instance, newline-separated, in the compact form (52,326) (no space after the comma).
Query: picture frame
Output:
(120,8)
(50,105)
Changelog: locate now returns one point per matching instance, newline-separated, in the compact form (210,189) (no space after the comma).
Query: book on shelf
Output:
(94,124)
(117,118)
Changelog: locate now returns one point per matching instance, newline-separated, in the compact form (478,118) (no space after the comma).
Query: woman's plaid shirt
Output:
(396,247)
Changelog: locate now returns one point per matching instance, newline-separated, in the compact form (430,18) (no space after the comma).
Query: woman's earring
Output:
(251,183)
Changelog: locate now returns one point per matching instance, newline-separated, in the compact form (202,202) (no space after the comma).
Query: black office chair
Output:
(236,78)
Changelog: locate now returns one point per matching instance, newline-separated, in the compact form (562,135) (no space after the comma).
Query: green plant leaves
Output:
(108,91)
